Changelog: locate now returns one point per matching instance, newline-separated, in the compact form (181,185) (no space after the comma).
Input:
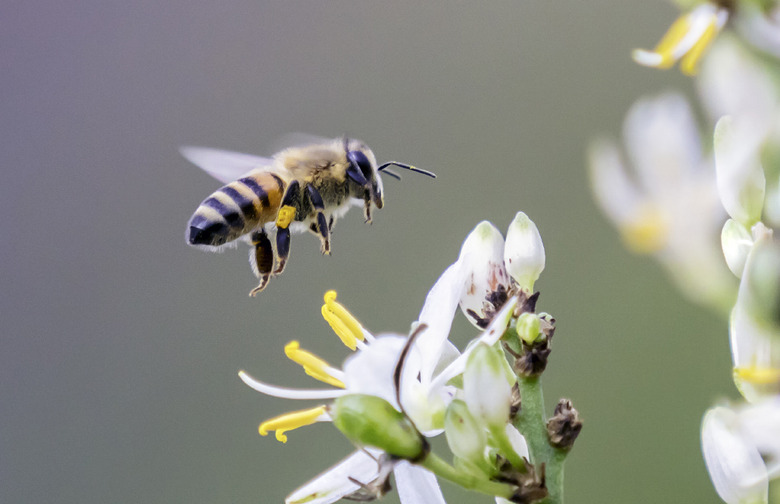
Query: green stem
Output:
(467,480)
(531,421)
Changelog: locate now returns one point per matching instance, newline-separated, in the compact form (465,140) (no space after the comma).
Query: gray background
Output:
(120,344)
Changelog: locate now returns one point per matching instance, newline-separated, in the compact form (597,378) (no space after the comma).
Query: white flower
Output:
(687,39)
(424,391)
(368,371)
(667,203)
(741,447)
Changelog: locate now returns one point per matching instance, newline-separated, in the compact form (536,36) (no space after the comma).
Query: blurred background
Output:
(120,344)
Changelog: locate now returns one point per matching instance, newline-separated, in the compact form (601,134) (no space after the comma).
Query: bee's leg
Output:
(358,177)
(261,259)
(322,224)
(287,210)
(367,207)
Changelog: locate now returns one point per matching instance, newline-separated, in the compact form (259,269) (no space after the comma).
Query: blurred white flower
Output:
(755,344)
(667,202)
(740,176)
(762,29)
(734,83)
(741,447)
(686,40)
(736,468)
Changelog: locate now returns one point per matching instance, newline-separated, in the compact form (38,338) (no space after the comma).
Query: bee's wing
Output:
(225,166)
(298,140)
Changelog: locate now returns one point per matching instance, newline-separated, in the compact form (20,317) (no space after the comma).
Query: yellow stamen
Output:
(312,365)
(290,421)
(346,327)
(648,233)
(671,38)
(758,375)
(689,62)
(285,217)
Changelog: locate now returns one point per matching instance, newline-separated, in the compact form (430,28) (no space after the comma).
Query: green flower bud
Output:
(487,387)
(368,420)
(528,327)
(466,437)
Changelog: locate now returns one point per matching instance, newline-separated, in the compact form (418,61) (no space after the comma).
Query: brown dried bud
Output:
(564,426)
(533,361)
(530,486)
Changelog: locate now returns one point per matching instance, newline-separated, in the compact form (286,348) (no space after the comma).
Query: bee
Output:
(301,188)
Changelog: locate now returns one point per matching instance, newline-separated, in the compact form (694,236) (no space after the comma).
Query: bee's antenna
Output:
(392,174)
(406,167)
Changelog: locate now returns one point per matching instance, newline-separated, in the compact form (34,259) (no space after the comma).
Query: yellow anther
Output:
(346,327)
(648,233)
(758,375)
(285,216)
(312,365)
(671,38)
(689,62)
(290,421)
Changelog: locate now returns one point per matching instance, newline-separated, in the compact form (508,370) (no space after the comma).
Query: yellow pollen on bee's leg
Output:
(291,421)
(343,323)
(312,365)
(758,375)
(689,62)
(285,216)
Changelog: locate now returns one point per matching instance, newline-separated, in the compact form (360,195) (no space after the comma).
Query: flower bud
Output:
(736,242)
(741,182)
(528,327)
(761,292)
(371,421)
(486,277)
(524,251)
(487,387)
(465,436)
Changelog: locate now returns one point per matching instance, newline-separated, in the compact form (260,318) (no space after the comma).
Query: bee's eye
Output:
(362,162)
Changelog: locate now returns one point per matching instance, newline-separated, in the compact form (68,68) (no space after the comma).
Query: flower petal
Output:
(417,485)
(437,313)
(370,371)
(334,483)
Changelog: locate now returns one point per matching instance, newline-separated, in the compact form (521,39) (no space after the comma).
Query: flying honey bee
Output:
(301,188)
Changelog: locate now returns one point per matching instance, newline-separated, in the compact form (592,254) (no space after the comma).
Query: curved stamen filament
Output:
(346,326)
(291,421)
(313,365)
(289,393)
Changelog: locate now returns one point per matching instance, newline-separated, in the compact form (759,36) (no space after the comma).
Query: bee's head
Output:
(363,169)
(362,162)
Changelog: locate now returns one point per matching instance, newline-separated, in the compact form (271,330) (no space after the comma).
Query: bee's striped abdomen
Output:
(236,209)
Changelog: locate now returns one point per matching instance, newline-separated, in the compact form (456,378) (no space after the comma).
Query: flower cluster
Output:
(395,391)
(704,212)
